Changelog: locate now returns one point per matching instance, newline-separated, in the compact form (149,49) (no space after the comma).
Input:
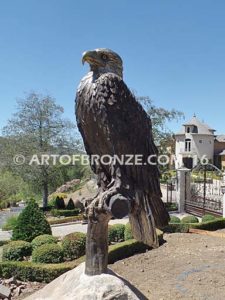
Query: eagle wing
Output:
(112,122)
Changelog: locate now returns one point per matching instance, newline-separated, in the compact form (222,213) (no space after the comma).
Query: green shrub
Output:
(189,219)
(111,234)
(30,271)
(125,249)
(66,220)
(128,232)
(70,205)
(43,239)
(53,197)
(48,253)
(179,227)
(51,203)
(211,225)
(65,213)
(10,223)
(171,206)
(120,229)
(4,204)
(116,233)
(219,223)
(207,218)
(174,219)
(16,250)
(2,243)
(31,223)
(60,203)
(74,245)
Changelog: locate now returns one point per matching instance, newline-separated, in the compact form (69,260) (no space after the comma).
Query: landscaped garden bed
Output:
(41,272)
(39,266)
(182,225)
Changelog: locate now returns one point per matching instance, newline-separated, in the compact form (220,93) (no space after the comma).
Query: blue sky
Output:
(173,51)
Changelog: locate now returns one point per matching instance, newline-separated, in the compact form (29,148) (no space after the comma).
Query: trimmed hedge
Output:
(16,250)
(177,227)
(43,239)
(70,205)
(48,253)
(116,233)
(55,200)
(2,243)
(189,219)
(128,232)
(66,220)
(207,218)
(30,271)
(60,203)
(125,249)
(31,223)
(73,245)
(64,212)
(211,225)
(174,219)
(219,223)
(171,206)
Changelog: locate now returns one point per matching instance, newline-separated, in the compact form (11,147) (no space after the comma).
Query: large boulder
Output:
(75,285)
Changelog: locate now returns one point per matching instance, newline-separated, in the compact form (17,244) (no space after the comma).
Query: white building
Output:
(194,142)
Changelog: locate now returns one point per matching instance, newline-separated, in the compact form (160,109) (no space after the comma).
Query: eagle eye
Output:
(104,56)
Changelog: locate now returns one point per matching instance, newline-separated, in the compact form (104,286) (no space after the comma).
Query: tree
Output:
(38,128)
(163,136)
(12,188)
(31,223)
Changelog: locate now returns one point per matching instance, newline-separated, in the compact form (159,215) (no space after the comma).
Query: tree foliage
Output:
(38,128)
(160,118)
(31,223)
(12,188)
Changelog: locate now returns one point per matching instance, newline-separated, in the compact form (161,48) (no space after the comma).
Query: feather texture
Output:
(112,122)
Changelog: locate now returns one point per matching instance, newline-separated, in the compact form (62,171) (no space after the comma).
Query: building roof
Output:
(221,138)
(202,127)
(222,153)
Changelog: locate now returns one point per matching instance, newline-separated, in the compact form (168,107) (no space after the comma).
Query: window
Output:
(200,141)
(188,145)
(188,129)
(195,129)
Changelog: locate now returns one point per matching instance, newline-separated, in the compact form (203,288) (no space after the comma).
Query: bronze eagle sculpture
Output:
(111,121)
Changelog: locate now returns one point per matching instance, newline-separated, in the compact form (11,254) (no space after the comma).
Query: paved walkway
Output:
(7,213)
(5,235)
(69,228)
(62,230)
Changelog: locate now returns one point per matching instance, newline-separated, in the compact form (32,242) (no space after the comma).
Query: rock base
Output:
(75,285)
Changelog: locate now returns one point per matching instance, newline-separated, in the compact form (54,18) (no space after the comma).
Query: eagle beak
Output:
(88,56)
(91,57)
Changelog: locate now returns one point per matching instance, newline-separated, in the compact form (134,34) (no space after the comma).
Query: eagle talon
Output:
(108,194)
(94,208)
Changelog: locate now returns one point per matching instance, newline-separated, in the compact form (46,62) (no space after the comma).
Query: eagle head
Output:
(103,61)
